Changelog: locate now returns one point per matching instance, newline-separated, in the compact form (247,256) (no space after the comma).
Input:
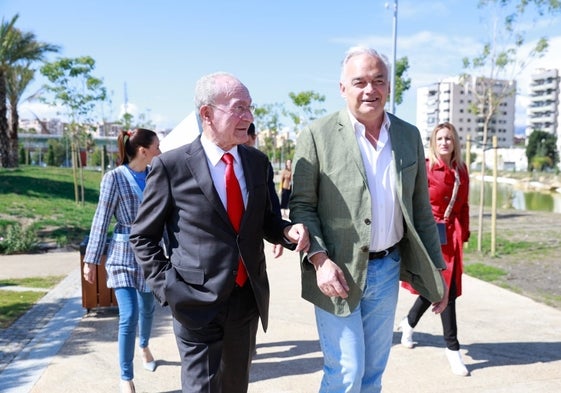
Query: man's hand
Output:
(298,234)
(330,278)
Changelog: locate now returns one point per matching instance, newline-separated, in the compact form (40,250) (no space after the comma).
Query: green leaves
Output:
(73,86)
(402,84)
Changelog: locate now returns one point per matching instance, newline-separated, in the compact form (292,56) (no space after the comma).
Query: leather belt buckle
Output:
(381,254)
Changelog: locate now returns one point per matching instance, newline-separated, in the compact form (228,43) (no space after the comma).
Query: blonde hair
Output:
(456,159)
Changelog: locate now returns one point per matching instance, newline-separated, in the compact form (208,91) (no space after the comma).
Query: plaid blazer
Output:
(117,199)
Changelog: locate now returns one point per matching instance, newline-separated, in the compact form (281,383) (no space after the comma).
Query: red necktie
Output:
(235,208)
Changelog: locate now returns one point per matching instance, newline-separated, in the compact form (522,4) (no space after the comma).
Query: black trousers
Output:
(448,318)
(285,197)
(217,357)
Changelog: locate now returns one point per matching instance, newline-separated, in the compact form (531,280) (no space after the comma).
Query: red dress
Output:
(441,184)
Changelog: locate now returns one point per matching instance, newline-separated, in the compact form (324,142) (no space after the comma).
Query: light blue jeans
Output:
(356,347)
(133,305)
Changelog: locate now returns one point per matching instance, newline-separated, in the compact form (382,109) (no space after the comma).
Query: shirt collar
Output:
(360,128)
(214,153)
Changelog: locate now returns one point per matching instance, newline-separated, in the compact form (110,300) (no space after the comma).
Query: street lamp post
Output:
(392,82)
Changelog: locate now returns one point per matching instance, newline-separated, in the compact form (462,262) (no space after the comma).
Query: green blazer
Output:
(331,197)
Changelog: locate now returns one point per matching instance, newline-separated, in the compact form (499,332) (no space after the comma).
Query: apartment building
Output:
(543,110)
(108,129)
(45,126)
(451,99)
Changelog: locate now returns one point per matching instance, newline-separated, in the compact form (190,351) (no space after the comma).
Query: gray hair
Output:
(206,89)
(363,50)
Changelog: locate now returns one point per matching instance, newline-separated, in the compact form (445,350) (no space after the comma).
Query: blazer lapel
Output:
(196,163)
(348,139)
(397,156)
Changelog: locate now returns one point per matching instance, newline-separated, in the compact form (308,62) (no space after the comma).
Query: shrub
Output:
(18,240)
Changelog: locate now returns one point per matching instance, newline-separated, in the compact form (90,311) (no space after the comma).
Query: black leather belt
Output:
(381,254)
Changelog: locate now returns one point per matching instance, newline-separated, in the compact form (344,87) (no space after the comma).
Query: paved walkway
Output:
(510,343)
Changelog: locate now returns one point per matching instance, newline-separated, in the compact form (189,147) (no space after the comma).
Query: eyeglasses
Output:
(237,110)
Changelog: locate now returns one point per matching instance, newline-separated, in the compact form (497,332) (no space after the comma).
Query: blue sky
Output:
(160,48)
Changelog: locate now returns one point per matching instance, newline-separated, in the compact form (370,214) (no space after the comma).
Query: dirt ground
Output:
(534,272)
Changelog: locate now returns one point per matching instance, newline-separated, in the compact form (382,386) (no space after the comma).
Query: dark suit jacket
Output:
(180,197)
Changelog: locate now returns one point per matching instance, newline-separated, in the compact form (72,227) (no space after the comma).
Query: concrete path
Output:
(510,343)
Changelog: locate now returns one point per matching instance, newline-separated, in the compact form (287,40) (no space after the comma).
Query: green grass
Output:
(32,282)
(14,304)
(43,199)
(502,246)
(484,272)
(551,300)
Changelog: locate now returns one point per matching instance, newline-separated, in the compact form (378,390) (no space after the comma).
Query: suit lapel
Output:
(197,164)
(348,139)
(397,155)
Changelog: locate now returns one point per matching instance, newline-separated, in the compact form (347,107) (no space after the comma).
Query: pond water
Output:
(509,197)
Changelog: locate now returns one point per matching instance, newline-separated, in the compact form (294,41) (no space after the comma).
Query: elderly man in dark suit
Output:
(215,278)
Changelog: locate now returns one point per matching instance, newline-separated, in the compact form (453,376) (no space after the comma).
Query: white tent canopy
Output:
(185,132)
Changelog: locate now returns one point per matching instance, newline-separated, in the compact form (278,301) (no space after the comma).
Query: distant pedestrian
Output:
(286,187)
(119,198)
(448,182)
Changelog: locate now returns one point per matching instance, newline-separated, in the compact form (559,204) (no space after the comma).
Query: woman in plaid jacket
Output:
(119,197)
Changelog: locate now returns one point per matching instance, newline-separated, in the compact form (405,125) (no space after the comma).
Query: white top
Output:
(387,217)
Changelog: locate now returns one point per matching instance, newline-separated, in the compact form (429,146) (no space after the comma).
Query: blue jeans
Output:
(356,347)
(132,306)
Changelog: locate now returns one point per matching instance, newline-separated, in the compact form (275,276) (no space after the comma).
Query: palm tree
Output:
(17,79)
(16,48)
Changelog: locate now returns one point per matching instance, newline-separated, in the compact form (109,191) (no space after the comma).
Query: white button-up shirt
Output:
(387,217)
(217,168)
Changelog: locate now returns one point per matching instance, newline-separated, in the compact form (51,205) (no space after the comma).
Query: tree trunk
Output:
(481,203)
(81,181)
(4,140)
(486,123)
(13,142)
(75,158)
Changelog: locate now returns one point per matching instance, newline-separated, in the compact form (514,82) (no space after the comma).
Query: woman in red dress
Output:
(449,189)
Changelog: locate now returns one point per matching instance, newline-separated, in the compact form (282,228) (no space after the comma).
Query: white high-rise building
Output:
(450,101)
(543,111)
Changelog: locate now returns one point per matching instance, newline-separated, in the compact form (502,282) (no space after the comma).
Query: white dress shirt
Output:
(218,168)
(387,217)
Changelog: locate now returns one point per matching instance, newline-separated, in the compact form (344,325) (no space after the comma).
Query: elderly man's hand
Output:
(298,234)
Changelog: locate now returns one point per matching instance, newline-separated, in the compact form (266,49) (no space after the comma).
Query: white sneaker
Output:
(456,363)
(407,333)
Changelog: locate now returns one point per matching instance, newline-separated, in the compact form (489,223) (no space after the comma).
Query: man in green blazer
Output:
(360,186)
